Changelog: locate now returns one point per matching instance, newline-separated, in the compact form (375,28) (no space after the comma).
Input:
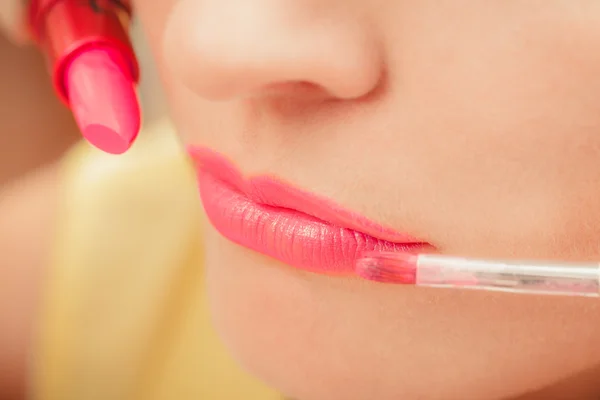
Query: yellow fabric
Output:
(125,315)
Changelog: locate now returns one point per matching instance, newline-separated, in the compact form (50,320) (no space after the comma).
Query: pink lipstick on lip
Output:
(289,224)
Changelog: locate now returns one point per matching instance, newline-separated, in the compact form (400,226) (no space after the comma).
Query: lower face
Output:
(471,126)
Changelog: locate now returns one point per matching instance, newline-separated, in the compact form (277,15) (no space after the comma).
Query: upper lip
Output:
(273,192)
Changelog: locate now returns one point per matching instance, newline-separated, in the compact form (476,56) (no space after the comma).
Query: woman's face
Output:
(471,125)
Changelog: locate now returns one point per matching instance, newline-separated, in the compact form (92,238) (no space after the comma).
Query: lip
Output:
(294,226)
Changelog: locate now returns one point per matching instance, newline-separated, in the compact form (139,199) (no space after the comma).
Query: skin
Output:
(29,149)
(472,125)
(28,143)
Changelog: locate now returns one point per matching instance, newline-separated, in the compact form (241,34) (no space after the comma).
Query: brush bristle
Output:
(399,268)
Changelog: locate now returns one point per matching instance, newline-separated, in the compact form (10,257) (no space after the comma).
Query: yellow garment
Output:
(125,316)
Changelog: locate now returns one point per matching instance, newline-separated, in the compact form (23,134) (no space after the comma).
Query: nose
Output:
(227,49)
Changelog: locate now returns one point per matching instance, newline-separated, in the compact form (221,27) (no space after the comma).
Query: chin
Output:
(315,337)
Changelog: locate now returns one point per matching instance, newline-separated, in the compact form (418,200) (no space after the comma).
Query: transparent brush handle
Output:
(511,276)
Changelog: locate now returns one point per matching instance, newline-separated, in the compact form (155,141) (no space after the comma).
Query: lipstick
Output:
(93,66)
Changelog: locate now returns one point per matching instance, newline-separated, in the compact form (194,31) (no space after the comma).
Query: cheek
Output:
(318,338)
(503,139)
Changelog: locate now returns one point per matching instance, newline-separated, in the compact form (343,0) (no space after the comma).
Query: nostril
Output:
(289,100)
(298,89)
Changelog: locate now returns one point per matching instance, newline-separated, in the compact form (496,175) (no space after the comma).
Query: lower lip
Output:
(292,237)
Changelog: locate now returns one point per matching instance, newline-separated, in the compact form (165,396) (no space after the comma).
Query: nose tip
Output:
(226,49)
